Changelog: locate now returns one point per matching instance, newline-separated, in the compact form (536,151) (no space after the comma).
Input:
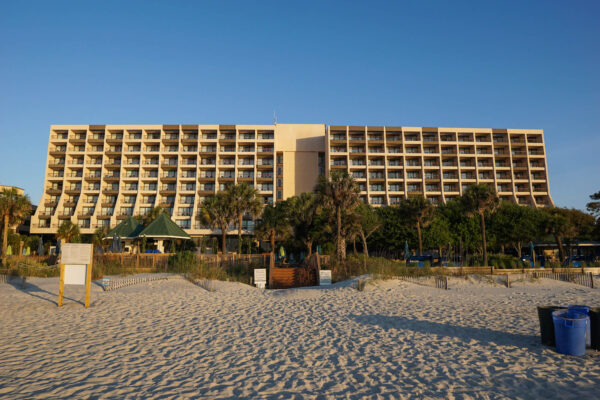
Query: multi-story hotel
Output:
(97,175)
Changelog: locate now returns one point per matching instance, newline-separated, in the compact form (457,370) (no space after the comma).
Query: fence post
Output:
(591,279)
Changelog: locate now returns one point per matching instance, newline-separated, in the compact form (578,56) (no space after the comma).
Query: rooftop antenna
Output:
(274,118)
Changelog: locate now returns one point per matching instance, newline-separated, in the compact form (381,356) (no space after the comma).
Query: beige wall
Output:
(300,144)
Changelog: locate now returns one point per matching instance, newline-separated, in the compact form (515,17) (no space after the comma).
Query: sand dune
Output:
(171,339)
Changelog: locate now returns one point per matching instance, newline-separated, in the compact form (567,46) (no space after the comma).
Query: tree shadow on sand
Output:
(37,292)
(464,333)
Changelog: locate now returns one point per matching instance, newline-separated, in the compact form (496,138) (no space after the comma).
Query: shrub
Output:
(182,262)
(356,265)
(105,266)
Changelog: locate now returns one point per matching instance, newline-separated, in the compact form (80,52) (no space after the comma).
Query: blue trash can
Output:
(569,332)
(584,310)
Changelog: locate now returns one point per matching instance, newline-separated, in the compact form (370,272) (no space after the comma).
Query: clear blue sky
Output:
(490,64)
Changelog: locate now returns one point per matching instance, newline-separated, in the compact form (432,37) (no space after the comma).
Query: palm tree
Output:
(480,199)
(151,216)
(217,213)
(303,213)
(99,236)
(421,211)
(272,224)
(243,199)
(68,232)
(341,194)
(14,208)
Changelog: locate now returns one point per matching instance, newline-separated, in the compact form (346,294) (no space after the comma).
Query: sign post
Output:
(76,268)
(260,277)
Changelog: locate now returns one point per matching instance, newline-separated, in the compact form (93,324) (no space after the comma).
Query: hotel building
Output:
(97,175)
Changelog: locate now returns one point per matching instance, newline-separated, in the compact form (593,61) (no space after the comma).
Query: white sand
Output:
(171,339)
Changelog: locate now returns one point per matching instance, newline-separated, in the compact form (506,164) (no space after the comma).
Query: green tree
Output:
(594,206)
(303,213)
(273,224)
(438,234)
(14,208)
(478,200)
(558,224)
(68,232)
(396,229)
(243,199)
(421,211)
(216,212)
(367,222)
(340,193)
(515,225)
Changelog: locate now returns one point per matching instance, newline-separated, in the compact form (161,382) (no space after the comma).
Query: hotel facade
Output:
(97,175)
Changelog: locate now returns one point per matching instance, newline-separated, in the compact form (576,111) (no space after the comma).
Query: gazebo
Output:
(163,228)
(129,229)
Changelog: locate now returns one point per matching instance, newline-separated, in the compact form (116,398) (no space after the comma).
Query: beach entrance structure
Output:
(163,228)
(76,262)
(290,277)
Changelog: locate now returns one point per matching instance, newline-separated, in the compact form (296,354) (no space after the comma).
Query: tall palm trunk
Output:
(483,241)
(340,253)
(240,233)
(273,242)
(561,249)
(420,238)
(224,239)
(4,239)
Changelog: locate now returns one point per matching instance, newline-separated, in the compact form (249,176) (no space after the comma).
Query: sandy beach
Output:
(173,340)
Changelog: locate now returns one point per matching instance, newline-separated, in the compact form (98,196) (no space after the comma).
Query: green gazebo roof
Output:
(128,229)
(163,228)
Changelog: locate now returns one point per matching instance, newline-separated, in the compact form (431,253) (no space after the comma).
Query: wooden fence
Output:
(583,279)
(117,283)
(159,262)
(440,282)
(285,278)
(461,271)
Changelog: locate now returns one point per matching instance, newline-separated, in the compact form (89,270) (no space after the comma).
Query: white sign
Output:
(325,277)
(76,253)
(260,277)
(75,274)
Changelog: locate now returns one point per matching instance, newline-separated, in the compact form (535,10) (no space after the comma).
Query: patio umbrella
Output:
(9,250)
(406,250)
(28,251)
(58,246)
(319,249)
(532,252)
(114,246)
(120,244)
(40,249)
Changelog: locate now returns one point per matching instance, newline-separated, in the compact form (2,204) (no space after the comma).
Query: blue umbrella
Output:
(532,252)
(319,249)
(406,250)
(40,249)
